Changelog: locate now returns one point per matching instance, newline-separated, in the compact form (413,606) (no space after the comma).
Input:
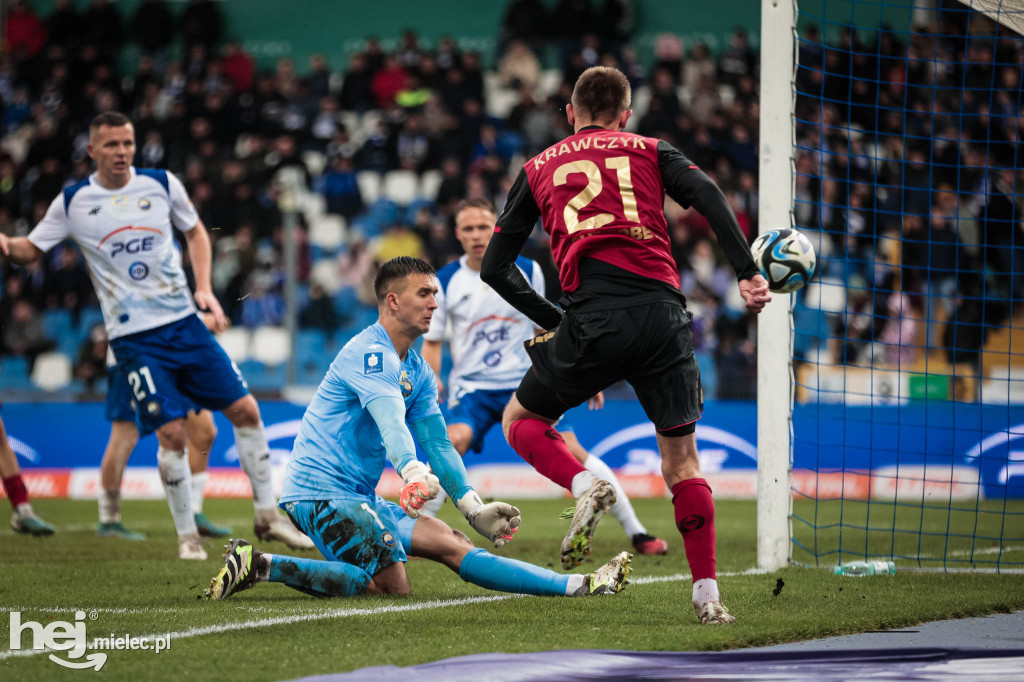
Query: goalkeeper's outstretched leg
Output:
(366,548)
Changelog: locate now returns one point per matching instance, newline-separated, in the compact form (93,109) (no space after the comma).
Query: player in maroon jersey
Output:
(599,193)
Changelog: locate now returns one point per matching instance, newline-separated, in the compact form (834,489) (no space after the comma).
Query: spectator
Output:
(319,312)
(153,28)
(101,27)
(24,31)
(357,89)
(23,334)
(341,190)
(264,305)
(389,81)
(202,24)
(519,67)
(237,66)
(399,240)
(64,25)
(91,365)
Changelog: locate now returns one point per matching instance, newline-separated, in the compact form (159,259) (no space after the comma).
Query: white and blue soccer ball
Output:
(785,258)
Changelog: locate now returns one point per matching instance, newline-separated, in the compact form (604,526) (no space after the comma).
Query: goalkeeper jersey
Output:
(339,452)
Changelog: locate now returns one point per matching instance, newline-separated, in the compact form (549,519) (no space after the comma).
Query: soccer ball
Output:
(785,258)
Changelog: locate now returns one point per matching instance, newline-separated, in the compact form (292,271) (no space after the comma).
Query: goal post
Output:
(774,331)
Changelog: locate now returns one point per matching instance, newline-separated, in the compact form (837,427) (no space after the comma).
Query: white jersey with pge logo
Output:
(126,237)
(487,332)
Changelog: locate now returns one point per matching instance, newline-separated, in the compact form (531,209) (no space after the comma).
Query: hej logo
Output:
(58,636)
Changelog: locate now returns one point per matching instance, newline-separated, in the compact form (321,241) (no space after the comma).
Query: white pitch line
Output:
(344,613)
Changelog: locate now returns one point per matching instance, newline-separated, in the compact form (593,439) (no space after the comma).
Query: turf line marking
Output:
(348,613)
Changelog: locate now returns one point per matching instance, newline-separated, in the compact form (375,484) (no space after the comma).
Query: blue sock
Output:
(319,578)
(510,575)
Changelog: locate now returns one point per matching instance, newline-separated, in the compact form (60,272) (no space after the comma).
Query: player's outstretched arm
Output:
(496,521)
(420,485)
(19,250)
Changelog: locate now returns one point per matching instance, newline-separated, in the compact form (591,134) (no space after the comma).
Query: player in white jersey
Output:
(489,359)
(122,219)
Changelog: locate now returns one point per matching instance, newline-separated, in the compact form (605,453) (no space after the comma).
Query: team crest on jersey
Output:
(373,363)
(492,358)
(403,381)
(153,408)
(388,539)
(118,199)
(144,204)
(138,271)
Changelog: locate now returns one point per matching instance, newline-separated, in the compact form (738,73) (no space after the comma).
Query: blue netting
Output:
(909,347)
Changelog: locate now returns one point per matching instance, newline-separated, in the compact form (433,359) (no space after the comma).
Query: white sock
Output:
(110,506)
(581,482)
(575,583)
(254,456)
(622,510)
(198,484)
(705,590)
(433,507)
(176,477)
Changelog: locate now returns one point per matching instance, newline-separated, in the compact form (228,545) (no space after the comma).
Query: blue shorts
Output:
(120,403)
(169,368)
(481,410)
(369,533)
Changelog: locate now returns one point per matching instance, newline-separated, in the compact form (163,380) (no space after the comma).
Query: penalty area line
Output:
(217,629)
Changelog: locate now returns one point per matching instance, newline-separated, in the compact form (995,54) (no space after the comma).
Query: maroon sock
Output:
(695,519)
(542,446)
(16,493)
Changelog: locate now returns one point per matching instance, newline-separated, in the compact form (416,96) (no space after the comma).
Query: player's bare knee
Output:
(243,412)
(173,435)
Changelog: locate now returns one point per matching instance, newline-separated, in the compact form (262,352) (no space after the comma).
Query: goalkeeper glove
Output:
(420,485)
(497,521)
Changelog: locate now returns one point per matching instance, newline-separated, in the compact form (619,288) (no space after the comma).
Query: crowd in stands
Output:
(384,146)
(908,168)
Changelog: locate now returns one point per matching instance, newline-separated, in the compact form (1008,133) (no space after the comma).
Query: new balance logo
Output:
(95,210)
(175,483)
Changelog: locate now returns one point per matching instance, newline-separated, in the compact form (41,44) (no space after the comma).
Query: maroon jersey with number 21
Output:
(601,196)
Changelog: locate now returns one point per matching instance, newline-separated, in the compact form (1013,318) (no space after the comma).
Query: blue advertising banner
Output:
(958,443)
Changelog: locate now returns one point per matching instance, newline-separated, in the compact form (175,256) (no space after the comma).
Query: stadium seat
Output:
(14,373)
(260,377)
(235,342)
(309,345)
(369,186)
(400,186)
(384,212)
(57,324)
(548,83)
(87,319)
(430,182)
(52,371)
(271,345)
(315,161)
(327,232)
(826,294)
(325,273)
(313,206)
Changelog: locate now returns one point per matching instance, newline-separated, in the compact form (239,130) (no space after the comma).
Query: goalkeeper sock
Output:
(17,494)
(254,456)
(318,578)
(622,510)
(110,506)
(176,478)
(695,519)
(542,446)
(198,485)
(510,575)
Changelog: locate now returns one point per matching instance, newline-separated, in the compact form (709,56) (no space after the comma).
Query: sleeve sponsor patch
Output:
(373,363)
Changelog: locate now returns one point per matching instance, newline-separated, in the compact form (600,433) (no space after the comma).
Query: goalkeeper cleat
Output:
(237,574)
(590,507)
(609,579)
(115,529)
(713,613)
(25,520)
(272,526)
(209,529)
(190,548)
(648,544)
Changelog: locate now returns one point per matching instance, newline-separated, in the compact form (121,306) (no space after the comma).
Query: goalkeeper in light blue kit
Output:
(377,396)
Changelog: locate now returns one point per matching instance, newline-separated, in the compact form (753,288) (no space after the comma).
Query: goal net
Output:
(891,388)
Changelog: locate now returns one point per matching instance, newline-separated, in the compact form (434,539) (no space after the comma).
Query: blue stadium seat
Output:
(309,346)
(87,319)
(14,373)
(261,377)
(57,324)
(708,372)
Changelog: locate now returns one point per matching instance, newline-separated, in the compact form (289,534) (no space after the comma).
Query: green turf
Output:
(142,589)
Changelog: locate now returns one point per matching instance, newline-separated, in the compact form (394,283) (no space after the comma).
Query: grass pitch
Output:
(273,633)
